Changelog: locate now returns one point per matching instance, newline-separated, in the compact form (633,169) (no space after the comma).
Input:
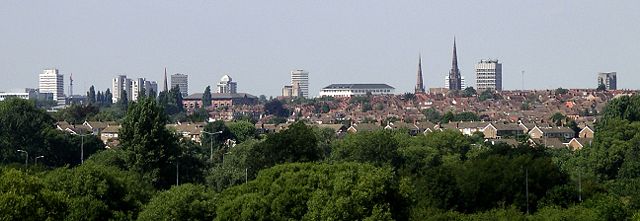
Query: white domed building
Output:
(227,86)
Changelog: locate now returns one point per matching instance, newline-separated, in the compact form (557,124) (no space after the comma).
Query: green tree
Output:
(432,115)
(184,202)
(242,130)
(24,127)
(276,108)
(124,100)
(297,143)
(25,197)
(309,191)
(601,87)
(558,118)
(91,95)
(367,147)
(206,97)
(100,192)
(151,149)
(561,91)
(469,92)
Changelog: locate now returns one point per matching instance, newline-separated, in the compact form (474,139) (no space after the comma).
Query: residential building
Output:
(140,84)
(455,79)
(350,90)
(227,85)
(182,82)
(608,79)
(51,81)
(489,75)
(301,79)
(118,85)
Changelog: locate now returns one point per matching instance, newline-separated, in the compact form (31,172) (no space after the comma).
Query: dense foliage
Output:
(308,173)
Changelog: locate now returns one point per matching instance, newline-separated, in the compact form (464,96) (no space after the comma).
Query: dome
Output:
(226,78)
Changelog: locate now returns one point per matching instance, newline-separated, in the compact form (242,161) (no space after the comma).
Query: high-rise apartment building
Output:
(51,81)
(182,82)
(140,84)
(227,86)
(300,79)
(119,85)
(608,79)
(489,75)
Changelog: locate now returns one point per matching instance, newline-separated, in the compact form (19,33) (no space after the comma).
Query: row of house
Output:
(547,135)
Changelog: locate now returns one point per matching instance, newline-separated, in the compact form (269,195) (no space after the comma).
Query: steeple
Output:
(165,80)
(455,82)
(419,84)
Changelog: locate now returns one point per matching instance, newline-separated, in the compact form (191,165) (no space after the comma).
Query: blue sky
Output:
(556,43)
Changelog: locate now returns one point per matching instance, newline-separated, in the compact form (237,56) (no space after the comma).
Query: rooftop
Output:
(358,86)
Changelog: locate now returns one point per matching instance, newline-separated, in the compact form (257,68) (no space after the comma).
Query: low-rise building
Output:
(350,90)
(194,101)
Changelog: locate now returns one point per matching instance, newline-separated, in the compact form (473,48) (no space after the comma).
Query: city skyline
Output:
(97,41)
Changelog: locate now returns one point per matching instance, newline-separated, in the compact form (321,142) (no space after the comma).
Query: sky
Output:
(556,43)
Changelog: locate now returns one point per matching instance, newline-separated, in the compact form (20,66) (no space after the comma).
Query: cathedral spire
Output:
(455,80)
(165,80)
(419,83)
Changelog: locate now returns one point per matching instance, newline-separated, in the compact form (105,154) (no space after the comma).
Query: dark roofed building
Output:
(350,90)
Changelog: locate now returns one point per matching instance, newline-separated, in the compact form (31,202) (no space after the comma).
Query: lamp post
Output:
(82,146)
(211,143)
(26,159)
(38,157)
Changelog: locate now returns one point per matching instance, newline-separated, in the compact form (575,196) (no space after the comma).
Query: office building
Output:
(300,79)
(455,79)
(51,81)
(608,79)
(119,85)
(182,82)
(227,86)
(489,75)
(350,90)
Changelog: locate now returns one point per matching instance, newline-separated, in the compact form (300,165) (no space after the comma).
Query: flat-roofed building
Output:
(489,75)
(350,90)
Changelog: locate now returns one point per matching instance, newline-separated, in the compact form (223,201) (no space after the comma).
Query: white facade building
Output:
(182,81)
(489,75)
(51,81)
(301,79)
(119,84)
(608,79)
(150,87)
(350,90)
(4,96)
(227,86)
(463,85)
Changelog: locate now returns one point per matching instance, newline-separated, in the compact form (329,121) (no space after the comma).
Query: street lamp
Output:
(26,159)
(38,157)
(82,146)
(211,142)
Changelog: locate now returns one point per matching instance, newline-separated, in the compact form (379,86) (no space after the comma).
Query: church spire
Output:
(454,62)
(165,80)
(419,83)
(455,80)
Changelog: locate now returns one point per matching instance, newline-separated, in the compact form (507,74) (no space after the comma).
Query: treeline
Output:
(308,173)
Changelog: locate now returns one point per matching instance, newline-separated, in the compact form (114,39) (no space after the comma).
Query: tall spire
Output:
(165,80)
(455,80)
(419,84)
(71,85)
(454,62)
